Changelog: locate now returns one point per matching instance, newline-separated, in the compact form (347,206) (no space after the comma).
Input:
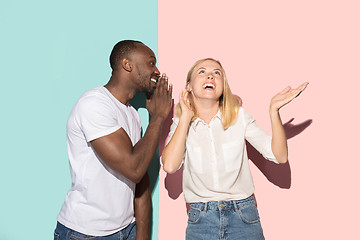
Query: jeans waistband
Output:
(223,205)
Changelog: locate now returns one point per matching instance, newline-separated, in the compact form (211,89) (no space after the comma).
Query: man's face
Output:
(144,62)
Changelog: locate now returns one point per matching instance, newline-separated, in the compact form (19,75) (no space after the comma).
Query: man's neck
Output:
(120,91)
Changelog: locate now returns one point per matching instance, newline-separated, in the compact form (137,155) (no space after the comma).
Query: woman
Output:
(208,136)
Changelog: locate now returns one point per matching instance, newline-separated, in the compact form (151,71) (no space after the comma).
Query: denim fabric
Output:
(64,233)
(224,220)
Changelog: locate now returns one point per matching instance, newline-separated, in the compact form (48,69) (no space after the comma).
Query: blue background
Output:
(52,52)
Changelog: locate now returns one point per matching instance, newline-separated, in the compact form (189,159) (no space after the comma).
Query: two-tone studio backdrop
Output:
(52,52)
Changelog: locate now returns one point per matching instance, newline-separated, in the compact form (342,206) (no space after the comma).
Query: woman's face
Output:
(207,81)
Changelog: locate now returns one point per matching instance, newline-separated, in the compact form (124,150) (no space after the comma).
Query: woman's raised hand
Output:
(286,96)
(185,104)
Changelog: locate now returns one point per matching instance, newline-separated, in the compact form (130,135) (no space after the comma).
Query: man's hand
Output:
(160,103)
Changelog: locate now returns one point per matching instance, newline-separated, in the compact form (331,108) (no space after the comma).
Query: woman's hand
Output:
(185,104)
(286,96)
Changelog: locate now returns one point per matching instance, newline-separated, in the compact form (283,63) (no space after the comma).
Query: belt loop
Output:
(205,206)
(235,205)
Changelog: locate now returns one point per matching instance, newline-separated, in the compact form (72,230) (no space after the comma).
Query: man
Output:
(108,160)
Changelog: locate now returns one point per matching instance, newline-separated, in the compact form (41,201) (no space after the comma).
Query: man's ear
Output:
(126,65)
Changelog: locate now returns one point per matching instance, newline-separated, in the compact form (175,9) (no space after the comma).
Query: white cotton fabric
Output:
(216,166)
(100,201)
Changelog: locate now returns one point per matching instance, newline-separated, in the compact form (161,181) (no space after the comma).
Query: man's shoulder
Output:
(93,100)
(95,93)
(93,97)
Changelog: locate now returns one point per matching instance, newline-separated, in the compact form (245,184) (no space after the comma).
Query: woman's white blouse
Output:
(216,166)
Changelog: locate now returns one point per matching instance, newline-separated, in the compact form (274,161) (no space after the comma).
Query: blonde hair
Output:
(228,108)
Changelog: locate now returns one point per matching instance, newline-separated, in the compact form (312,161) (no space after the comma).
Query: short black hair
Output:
(122,50)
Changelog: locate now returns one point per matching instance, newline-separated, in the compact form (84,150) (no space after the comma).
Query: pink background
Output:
(265,46)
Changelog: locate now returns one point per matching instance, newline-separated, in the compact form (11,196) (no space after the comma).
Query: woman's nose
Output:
(210,76)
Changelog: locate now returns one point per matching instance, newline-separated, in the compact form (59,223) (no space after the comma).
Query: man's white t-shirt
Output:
(100,201)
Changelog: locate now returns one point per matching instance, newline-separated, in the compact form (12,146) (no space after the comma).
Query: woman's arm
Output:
(279,142)
(173,153)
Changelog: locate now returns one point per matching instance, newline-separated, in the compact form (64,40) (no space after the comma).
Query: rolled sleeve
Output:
(258,138)
(171,133)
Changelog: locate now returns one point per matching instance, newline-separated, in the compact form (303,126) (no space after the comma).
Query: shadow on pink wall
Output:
(278,174)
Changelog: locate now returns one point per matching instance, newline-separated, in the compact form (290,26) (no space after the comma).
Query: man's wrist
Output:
(142,234)
(157,119)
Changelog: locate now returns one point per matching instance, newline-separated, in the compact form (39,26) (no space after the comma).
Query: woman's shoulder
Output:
(241,111)
(243,117)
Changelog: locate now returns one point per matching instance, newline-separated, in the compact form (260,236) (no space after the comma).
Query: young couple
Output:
(110,194)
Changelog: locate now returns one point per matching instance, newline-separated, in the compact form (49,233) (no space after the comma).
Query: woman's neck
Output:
(207,110)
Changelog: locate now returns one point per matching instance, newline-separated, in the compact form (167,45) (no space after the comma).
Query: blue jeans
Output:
(64,233)
(224,220)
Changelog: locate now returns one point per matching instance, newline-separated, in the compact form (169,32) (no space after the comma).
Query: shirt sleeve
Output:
(173,128)
(96,117)
(171,133)
(257,137)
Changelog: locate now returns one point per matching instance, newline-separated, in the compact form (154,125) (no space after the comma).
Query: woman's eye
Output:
(218,73)
(201,71)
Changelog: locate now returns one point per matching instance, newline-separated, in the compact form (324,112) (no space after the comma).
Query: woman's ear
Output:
(188,88)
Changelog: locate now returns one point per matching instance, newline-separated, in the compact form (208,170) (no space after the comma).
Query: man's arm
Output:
(116,149)
(142,207)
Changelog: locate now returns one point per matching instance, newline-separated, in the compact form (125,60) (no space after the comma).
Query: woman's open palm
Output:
(286,96)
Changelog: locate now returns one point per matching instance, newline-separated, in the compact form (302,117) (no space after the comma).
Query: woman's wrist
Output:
(186,118)
(273,110)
